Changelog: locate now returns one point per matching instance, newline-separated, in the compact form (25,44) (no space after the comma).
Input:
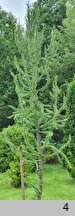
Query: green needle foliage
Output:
(34,114)
(42,62)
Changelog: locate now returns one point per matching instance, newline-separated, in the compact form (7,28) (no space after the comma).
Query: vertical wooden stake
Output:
(22,173)
(40,167)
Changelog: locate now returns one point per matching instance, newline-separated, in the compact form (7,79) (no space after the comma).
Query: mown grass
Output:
(57,185)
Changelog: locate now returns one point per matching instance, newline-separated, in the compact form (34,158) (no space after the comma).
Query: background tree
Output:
(8,48)
(58,34)
(70,124)
(68,63)
(45,15)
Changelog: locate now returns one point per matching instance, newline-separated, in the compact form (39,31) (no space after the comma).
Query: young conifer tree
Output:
(29,111)
(33,113)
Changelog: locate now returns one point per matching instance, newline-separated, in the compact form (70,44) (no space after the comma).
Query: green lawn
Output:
(58,185)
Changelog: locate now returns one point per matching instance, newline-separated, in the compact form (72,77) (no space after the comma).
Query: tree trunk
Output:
(22,173)
(40,167)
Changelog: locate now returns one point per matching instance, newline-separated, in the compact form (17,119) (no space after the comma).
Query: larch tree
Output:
(34,113)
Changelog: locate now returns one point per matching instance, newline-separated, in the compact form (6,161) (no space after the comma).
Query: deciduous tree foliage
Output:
(70,124)
(7,51)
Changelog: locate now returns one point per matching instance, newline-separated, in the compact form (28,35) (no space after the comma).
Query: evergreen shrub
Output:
(73,172)
(70,123)
(14,171)
(9,139)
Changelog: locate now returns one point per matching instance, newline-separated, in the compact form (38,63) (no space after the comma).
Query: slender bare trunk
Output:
(40,167)
(22,173)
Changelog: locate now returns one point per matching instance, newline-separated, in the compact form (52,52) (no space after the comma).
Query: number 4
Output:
(66,207)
